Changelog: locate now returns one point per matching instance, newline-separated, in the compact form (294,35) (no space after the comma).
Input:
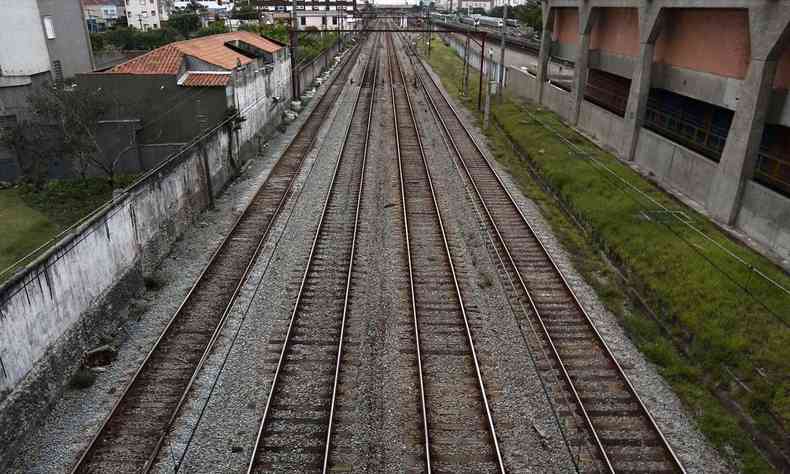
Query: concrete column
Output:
(651,20)
(769,28)
(587,17)
(739,157)
(545,49)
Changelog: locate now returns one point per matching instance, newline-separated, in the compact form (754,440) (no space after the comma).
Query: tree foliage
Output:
(134,39)
(529,15)
(185,23)
(63,123)
(213,28)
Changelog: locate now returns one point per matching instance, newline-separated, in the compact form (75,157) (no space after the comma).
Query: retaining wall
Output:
(76,293)
(309,71)
(764,215)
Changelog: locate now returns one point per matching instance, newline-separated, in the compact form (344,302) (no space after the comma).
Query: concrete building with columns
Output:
(693,92)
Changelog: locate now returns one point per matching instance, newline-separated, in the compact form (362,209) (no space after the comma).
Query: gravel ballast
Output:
(377,424)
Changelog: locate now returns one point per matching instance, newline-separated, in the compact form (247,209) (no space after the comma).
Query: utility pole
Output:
(489,85)
(501,82)
(482,67)
(466,67)
(294,33)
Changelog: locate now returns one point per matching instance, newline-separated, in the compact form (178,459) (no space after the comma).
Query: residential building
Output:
(318,14)
(147,14)
(167,97)
(103,14)
(693,92)
(39,42)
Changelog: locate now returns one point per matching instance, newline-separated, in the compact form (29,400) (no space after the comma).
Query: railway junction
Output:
(374,295)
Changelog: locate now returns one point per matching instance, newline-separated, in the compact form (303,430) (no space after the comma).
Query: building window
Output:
(153,12)
(303,21)
(334,20)
(323,20)
(49,28)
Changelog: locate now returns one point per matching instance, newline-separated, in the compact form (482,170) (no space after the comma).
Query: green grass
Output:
(24,228)
(707,325)
(30,217)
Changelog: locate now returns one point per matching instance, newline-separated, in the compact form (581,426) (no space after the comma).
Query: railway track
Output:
(604,407)
(131,436)
(458,427)
(296,427)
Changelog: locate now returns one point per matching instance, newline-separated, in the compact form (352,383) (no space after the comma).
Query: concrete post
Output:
(769,29)
(651,20)
(545,49)
(739,157)
(587,16)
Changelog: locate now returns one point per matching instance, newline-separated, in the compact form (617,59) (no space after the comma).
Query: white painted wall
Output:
(23,48)
(140,227)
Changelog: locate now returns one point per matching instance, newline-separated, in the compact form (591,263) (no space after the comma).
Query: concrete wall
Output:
(715,41)
(764,215)
(309,71)
(603,126)
(48,297)
(674,166)
(616,31)
(255,90)
(71,45)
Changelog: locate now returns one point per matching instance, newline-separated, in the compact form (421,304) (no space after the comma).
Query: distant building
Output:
(167,97)
(322,15)
(39,42)
(103,14)
(147,14)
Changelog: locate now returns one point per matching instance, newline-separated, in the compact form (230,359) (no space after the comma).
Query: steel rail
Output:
(278,369)
(423,406)
(150,461)
(350,265)
(554,265)
(470,339)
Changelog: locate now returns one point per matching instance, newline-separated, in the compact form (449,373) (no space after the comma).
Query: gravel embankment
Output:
(696,454)
(54,445)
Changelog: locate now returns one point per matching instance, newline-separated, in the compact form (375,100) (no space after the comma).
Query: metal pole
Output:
(489,84)
(482,66)
(294,45)
(501,81)
(466,67)
(430,35)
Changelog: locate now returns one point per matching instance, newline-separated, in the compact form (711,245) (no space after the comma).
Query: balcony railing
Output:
(773,172)
(706,140)
(606,98)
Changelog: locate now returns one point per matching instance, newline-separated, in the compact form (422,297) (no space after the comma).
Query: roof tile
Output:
(211,49)
(164,60)
(206,80)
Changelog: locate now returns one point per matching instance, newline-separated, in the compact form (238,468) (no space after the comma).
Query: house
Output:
(147,14)
(102,14)
(320,14)
(40,41)
(164,99)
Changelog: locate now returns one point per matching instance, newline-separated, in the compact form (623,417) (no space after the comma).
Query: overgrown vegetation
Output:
(30,216)
(714,327)
(126,38)
(63,125)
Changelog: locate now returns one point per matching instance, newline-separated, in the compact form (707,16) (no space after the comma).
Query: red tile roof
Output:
(164,60)
(198,79)
(211,49)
